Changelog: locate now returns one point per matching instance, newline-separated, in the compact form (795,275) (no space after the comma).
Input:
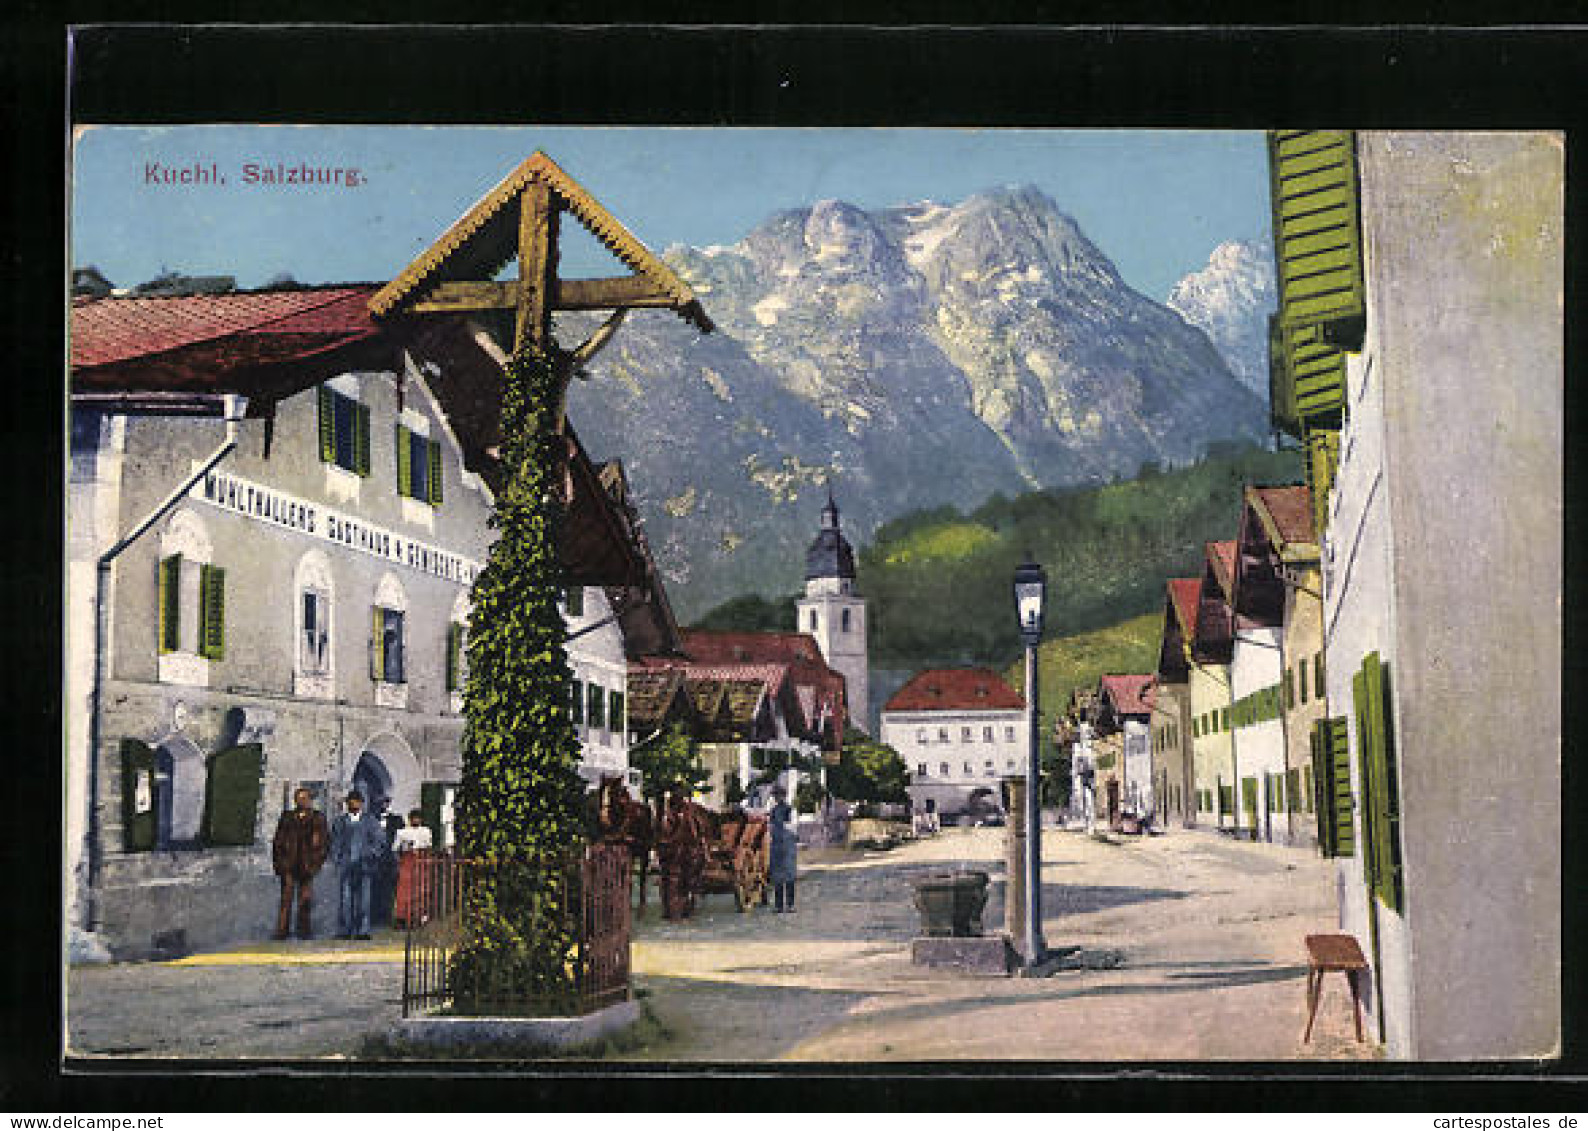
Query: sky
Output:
(1156,202)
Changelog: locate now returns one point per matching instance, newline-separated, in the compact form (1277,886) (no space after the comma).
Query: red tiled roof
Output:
(1183,592)
(1290,509)
(710,646)
(1130,694)
(1221,555)
(956,689)
(110,330)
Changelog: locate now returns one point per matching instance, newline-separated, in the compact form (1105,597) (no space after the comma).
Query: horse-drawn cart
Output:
(738,859)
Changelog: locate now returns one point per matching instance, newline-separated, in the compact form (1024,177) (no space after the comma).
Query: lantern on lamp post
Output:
(1030,593)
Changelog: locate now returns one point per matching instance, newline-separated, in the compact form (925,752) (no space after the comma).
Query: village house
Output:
(959,730)
(1278,545)
(1120,724)
(1256,682)
(754,701)
(1174,766)
(298,617)
(1213,750)
(278,503)
(1418,356)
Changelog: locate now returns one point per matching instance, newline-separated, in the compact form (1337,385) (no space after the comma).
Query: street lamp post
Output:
(1030,587)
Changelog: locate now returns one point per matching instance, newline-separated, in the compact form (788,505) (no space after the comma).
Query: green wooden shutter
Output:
(327,404)
(137,825)
(377,648)
(1281,383)
(170,602)
(1249,799)
(1321,463)
(1338,785)
(1317,233)
(1319,690)
(431,795)
(615,710)
(361,439)
(1302,686)
(1290,688)
(595,706)
(433,466)
(231,795)
(405,470)
(578,702)
(212,612)
(1381,791)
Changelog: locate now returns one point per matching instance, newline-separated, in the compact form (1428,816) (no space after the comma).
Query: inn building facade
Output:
(297,618)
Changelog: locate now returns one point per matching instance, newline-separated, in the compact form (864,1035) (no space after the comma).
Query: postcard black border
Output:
(1163,76)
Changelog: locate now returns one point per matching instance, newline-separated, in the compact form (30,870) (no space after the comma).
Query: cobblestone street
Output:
(1208,933)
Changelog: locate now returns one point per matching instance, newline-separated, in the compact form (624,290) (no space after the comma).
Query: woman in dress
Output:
(412,846)
(785,851)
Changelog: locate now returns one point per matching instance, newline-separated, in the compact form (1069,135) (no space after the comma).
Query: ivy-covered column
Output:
(520,805)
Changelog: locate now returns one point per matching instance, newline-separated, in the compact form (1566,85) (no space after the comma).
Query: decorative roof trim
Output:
(575,199)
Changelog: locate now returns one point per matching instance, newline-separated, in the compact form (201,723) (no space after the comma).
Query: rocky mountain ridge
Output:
(914,356)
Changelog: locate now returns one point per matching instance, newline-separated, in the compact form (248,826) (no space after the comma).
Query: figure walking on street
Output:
(785,851)
(358,845)
(297,853)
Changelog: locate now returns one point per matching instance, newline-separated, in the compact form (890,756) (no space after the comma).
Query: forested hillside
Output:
(937,582)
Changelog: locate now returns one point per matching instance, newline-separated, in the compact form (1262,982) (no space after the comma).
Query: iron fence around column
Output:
(434,891)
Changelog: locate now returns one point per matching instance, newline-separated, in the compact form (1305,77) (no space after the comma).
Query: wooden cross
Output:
(520,218)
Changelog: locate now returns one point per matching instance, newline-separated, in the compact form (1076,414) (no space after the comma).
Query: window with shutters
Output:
(388,644)
(1331,781)
(418,466)
(1380,784)
(190,603)
(313,586)
(615,711)
(596,707)
(344,431)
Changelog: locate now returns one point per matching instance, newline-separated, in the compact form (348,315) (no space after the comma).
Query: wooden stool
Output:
(1333,952)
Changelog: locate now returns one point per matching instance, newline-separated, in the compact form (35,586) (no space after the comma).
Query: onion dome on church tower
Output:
(830,554)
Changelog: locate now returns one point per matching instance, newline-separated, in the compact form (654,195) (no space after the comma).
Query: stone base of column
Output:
(989,954)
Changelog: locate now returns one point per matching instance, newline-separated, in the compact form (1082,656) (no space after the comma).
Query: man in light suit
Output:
(358,845)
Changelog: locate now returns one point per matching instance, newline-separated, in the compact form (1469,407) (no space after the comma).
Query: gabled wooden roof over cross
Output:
(519,218)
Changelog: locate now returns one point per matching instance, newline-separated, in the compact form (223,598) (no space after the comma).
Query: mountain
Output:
(1230,300)
(914,356)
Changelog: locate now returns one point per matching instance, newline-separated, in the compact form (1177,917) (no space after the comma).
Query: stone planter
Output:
(951,903)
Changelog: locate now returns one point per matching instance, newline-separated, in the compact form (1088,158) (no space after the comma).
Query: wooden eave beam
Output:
(567,294)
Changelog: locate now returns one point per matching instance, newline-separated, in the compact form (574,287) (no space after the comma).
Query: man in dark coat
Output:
(298,852)
(785,850)
(383,886)
(358,845)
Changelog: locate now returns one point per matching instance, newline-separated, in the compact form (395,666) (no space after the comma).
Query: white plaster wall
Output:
(902,731)
(1465,254)
(1255,663)
(597,657)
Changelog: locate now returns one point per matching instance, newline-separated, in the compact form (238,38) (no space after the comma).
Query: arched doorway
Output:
(372,779)
(178,792)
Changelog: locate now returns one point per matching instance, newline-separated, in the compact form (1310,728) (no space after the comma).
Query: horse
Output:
(620,819)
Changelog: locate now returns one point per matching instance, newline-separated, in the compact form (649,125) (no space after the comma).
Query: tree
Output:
(521,798)
(668,758)
(868,771)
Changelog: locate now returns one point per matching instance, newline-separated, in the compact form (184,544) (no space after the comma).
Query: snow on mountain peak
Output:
(1230,300)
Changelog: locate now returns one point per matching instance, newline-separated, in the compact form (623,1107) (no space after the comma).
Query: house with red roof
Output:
(1212,751)
(278,501)
(1275,657)
(1173,767)
(754,701)
(959,730)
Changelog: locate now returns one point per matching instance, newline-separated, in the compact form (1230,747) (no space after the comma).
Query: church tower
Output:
(835,614)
